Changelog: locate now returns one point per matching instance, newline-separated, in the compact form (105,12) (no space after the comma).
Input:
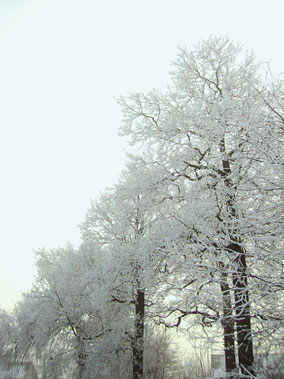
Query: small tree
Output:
(61,321)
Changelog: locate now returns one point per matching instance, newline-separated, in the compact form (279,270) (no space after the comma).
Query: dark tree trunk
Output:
(82,356)
(228,326)
(138,342)
(241,293)
(81,371)
(242,310)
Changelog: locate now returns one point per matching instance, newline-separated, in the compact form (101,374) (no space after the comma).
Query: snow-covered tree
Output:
(65,319)
(8,338)
(120,221)
(216,136)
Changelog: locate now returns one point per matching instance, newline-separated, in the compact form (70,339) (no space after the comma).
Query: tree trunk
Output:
(239,276)
(228,326)
(138,343)
(81,359)
(242,310)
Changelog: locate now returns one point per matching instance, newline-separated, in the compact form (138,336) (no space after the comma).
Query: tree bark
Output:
(239,276)
(138,342)
(82,356)
(228,326)
(242,310)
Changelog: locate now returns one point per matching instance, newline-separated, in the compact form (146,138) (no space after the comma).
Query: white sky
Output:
(63,63)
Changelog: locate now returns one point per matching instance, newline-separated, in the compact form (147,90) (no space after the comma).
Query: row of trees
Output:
(193,230)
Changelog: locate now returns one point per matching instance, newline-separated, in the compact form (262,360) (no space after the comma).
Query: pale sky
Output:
(63,63)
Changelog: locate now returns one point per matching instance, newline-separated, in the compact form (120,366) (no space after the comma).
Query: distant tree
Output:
(64,317)
(8,339)
(161,357)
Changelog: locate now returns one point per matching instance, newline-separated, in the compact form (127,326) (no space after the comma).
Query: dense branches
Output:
(216,134)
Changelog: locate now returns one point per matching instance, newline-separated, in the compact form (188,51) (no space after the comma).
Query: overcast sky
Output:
(63,63)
